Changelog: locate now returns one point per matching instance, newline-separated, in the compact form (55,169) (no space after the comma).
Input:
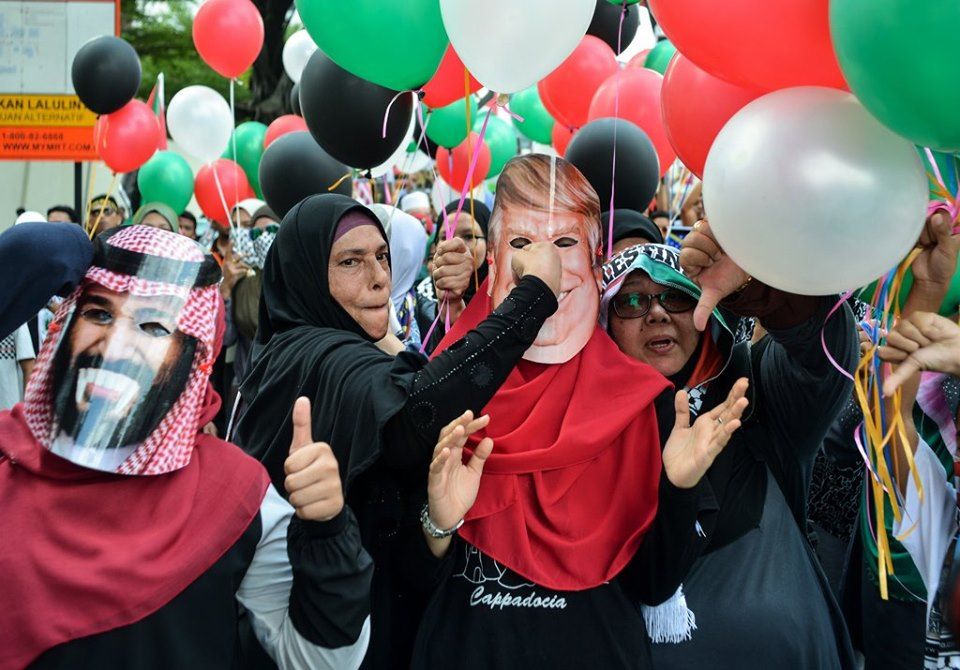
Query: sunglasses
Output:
(635,305)
(105,211)
(255,233)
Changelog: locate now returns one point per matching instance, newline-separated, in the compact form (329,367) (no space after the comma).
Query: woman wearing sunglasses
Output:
(756,591)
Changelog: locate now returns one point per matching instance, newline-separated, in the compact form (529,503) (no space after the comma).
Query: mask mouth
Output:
(116,391)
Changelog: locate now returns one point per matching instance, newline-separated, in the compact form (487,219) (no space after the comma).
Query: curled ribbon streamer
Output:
(878,436)
(386,114)
(339,181)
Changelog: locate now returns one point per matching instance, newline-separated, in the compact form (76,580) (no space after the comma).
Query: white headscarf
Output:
(408,248)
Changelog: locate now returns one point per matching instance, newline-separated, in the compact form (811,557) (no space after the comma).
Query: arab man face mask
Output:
(546,199)
(119,385)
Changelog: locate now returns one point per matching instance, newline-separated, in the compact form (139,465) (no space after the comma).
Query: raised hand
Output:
(540,259)
(313,476)
(922,341)
(937,263)
(691,450)
(452,486)
(705,263)
(452,269)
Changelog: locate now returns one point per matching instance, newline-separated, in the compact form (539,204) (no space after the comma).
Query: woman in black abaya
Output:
(326,288)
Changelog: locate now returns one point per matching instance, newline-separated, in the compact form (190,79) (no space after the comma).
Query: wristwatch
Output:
(431,528)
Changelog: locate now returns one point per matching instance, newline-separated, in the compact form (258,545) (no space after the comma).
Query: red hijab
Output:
(571,486)
(85,552)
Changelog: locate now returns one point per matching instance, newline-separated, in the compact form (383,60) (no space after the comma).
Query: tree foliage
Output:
(161,32)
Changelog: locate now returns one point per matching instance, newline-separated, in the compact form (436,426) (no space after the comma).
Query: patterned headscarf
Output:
(145,262)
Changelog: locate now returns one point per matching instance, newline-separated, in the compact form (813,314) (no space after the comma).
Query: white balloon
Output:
(808,193)
(199,120)
(387,165)
(296,53)
(509,45)
(413,162)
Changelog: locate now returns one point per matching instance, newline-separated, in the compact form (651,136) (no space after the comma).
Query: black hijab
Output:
(310,346)
(480,214)
(628,223)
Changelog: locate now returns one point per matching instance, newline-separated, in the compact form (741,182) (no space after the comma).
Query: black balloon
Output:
(638,168)
(345,113)
(106,74)
(294,166)
(295,99)
(606,24)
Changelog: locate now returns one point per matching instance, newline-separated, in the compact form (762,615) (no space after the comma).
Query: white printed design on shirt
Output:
(482,570)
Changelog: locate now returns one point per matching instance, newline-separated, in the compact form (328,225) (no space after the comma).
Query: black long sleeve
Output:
(330,598)
(468,374)
(38,261)
(671,545)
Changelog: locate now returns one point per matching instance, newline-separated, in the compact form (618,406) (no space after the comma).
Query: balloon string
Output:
(233,138)
(433,326)
(466,100)
(110,190)
(877,430)
(386,114)
(223,199)
(616,124)
(337,183)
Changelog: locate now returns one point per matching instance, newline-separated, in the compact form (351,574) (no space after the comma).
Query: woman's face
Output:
(359,276)
(470,232)
(156,220)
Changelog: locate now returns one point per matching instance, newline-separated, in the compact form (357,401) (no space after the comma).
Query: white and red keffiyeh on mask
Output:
(120,380)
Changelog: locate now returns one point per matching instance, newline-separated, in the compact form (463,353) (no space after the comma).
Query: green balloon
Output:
(166,178)
(901,58)
(447,126)
(501,137)
(659,57)
(395,43)
(949,307)
(248,138)
(537,123)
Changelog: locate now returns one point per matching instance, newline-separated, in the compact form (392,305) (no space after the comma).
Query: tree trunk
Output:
(269,86)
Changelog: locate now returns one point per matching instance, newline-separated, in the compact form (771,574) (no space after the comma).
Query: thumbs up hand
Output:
(313,476)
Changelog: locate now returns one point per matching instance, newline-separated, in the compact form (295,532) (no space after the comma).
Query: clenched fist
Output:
(313,476)
(540,259)
(452,269)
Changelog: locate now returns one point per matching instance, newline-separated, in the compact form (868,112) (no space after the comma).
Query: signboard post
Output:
(41,118)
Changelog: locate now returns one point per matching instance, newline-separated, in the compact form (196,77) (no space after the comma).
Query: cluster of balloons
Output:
(106,75)
(799,173)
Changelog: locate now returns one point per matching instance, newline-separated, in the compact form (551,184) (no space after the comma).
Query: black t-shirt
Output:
(486,616)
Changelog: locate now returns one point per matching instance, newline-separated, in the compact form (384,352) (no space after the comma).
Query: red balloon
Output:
(228,35)
(453,164)
(639,104)
(639,60)
(566,92)
(233,187)
(768,44)
(692,128)
(561,137)
(447,86)
(127,138)
(288,123)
